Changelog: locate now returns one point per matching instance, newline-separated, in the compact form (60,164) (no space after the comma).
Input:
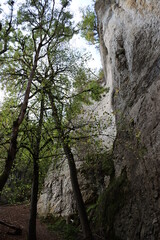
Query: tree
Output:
(45,24)
(34,195)
(61,76)
(73,172)
(39,140)
(6,29)
(66,83)
(88,25)
(66,105)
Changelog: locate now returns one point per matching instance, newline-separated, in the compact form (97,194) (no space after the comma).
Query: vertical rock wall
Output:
(130,49)
(57,196)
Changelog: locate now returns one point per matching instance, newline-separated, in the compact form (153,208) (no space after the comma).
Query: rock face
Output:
(130,49)
(57,196)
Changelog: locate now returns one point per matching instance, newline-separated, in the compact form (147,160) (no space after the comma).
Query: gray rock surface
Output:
(130,49)
(57,197)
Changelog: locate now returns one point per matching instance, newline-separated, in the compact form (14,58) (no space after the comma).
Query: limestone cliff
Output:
(130,49)
(57,196)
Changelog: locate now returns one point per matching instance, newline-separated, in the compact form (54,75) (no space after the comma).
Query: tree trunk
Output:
(73,173)
(34,198)
(16,124)
(77,193)
(34,195)
(10,157)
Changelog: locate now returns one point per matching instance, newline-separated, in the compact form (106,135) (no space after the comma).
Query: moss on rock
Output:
(109,204)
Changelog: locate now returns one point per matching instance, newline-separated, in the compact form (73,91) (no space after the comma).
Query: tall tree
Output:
(73,172)
(68,84)
(62,77)
(35,184)
(46,24)
(68,88)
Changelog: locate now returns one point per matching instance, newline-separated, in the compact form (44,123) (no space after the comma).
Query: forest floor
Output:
(18,215)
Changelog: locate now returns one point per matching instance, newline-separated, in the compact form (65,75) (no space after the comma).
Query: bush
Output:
(58,225)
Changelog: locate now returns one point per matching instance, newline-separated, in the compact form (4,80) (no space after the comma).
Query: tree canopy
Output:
(48,84)
(88,25)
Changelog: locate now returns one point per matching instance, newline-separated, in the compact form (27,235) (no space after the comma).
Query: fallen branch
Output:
(17,230)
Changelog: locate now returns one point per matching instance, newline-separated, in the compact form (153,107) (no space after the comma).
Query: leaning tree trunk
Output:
(16,124)
(77,193)
(73,173)
(35,185)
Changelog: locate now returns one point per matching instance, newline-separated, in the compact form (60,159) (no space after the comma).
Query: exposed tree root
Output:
(17,230)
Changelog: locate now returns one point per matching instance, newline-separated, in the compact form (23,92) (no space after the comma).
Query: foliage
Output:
(39,59)
(17,189)
(6,27)
(39,25)
(7,115)
(58,225)
(69,105)
(88,25)
(20,180)
(99,165)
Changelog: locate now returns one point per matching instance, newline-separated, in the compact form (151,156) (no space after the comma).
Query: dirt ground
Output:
(18,215)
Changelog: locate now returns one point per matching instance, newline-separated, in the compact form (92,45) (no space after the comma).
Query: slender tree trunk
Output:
(34,199)
(73,174)
(77,193)
(16,124)
(35,185)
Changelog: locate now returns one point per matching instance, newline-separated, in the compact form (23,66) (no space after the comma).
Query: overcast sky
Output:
(77,41)
(76,5)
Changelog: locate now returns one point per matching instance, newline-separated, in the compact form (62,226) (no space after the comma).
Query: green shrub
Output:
(58,225)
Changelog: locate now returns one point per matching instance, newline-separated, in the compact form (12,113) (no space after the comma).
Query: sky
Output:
(77,41)
(76,5)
